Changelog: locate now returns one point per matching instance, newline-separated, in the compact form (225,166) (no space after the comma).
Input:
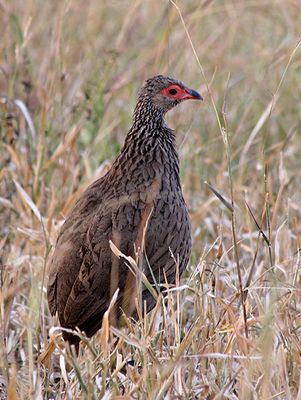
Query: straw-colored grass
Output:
(69,74)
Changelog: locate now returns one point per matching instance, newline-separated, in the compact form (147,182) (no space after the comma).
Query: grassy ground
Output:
(69,74)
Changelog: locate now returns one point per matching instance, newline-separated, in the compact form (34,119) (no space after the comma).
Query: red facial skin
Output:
(181,94)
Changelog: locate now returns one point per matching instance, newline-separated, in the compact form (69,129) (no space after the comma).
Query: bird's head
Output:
(164,93)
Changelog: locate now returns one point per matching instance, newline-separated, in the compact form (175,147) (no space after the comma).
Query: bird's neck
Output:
(151,135)
(146,112)
(149,140)
(150,128)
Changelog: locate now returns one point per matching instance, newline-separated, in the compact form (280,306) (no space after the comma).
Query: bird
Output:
(138,205)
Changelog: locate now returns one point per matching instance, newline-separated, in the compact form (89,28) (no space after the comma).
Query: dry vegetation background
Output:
(69,74)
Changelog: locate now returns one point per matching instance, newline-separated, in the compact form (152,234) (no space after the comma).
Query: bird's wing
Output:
(122,220)
(83,268)
(89,293)
(65,263)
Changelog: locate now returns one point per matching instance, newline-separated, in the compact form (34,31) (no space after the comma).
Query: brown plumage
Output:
(140,198)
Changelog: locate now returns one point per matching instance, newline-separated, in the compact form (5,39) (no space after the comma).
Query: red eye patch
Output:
(174,92)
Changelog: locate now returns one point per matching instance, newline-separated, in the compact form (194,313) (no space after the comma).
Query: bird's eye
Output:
(173,91)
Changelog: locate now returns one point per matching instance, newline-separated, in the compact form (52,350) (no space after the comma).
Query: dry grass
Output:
(69,73)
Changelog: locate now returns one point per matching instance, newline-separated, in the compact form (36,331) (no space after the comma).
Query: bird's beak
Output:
(191,94)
